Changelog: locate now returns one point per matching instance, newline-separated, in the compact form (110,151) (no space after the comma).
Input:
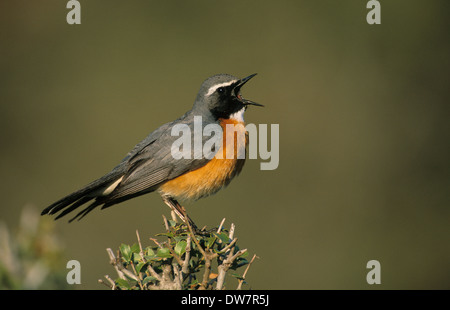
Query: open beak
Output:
(239,96)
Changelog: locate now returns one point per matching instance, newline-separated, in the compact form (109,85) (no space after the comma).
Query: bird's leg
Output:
(181,212)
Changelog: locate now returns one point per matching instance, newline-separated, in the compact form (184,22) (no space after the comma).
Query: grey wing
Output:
(151,165)
(143,169)
(100,189)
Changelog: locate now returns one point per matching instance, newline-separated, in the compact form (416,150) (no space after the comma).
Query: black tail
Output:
(82,196)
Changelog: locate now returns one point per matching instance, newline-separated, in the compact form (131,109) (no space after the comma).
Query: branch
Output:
(241,281)
(183,261)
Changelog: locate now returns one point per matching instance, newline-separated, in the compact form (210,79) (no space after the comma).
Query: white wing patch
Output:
(110,188)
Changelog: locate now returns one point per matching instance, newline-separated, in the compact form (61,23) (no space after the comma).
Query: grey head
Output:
(220,96)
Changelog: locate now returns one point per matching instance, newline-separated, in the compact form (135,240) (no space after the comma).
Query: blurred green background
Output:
(363,113)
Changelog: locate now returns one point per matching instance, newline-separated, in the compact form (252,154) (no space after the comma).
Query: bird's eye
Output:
(220,90)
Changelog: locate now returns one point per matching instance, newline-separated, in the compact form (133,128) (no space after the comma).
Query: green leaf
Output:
(180,247)
(210,241)
(179,238)
(149,254)
(163,253)
(239,262)
(222,236)
(125,250)
(123,284)
(242,261)
(165,234)
(135,248)
(137,257)
(245,254)
(238,276)
(139,266)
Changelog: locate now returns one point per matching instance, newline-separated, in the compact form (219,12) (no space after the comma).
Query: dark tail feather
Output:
(64,202)
(80,197)
(86,210)
(73,206)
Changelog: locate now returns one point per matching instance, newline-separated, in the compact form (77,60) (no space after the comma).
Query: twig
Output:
(141,251)
(225,249)
(172,273)
(129,274)
(226,264)
(166,224)
(220,226)
(156,242)
(113,261)
(121,271)
(138,276)
(178,258)
(174,216)
(193,235)
(110,283)
(232,228)
(207,255)
(241,281)
(239,253)
(153,272)
(187,255)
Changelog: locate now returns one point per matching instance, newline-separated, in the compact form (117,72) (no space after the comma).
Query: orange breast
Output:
(218,172)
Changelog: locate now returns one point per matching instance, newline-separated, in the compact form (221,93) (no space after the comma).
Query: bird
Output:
(150,165)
